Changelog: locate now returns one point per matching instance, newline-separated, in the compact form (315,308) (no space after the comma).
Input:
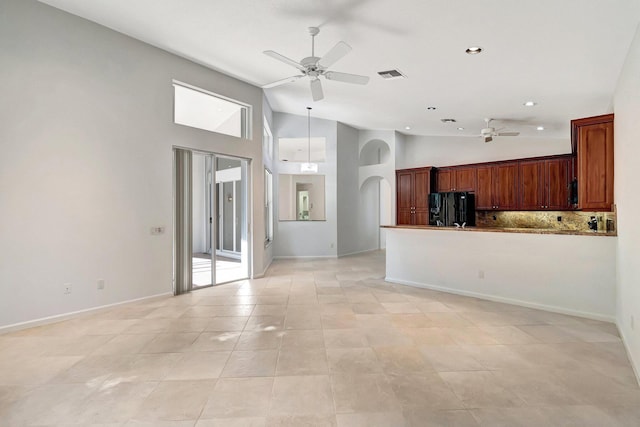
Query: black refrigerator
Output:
(451,208)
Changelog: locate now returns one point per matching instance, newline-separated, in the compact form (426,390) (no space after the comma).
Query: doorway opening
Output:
(211,220)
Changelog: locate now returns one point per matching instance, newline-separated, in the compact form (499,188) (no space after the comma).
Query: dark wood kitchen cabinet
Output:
(497,186)
(445,178)
(456,179)
(412,195)
(532,185)
(557,175)
(592,142)
(465,179)
(544,184)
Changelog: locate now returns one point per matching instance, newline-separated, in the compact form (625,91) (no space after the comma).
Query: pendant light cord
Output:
(309,134)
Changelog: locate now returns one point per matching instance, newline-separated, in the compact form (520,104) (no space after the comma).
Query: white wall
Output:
(627,155)
(348,191)
(368,222)
(377,187)
(419,151)
(86,166)
(307,238)
(564,273)
(387,195)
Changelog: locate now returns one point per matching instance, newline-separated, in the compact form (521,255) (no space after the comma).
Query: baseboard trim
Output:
(544,307)
(305,257)
(258,276)
(634,365)
(358,252)
(66,316)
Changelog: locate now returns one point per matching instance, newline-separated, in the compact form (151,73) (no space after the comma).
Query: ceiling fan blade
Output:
(508,133)
(347,78)
(283,81)
(316,90)
(488,139)
(337,52)
(282,58)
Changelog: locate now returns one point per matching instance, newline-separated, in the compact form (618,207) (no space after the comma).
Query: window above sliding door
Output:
(202,109)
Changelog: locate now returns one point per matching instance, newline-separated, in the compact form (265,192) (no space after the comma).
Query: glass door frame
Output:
(211,195)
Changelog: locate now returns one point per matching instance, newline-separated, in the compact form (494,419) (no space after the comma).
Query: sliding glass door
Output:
(211,223)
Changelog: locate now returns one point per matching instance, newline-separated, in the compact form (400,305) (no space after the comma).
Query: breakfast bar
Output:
(566,271)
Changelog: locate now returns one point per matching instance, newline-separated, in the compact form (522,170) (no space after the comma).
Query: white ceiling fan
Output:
(488,133)
(315,67)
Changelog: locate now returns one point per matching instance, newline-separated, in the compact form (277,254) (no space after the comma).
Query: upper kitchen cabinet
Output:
(544,184)
(465,179)
(506,186)
(412,195)
(497,186)
(456,179)
(532,185)
(557,175)
(446,180)
(592,142)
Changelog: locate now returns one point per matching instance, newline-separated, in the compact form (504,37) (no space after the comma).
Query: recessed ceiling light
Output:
(473,50)
(448,120)
(460,128)
(540,128)
(407,127)
(530,104)
(431,108)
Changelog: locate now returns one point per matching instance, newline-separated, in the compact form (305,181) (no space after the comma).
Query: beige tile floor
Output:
(318,343)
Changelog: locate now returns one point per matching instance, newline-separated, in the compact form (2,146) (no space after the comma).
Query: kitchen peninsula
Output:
(566,272)
(545,235)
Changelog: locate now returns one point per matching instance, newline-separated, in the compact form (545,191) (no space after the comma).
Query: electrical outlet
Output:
(480,274)
(157,230)
(100,284)
(67,288)
(633,323)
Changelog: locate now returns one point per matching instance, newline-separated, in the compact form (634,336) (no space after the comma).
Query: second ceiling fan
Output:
(489,132)
(315,67)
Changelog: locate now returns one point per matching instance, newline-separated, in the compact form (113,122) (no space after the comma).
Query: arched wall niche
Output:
(375,152)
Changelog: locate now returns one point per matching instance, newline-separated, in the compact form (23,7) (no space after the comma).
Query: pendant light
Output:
(309,167)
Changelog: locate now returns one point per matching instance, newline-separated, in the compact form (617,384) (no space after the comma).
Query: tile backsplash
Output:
(569,220)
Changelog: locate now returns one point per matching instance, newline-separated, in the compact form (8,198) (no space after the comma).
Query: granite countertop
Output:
(506,230)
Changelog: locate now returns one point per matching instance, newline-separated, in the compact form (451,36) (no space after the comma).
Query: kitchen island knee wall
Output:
(570,274)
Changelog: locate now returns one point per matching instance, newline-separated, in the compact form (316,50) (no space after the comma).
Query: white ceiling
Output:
(564,54)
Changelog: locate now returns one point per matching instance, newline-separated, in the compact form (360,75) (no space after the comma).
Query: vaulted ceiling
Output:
(564,55)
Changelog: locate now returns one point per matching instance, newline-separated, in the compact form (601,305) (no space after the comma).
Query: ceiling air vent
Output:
(392,74)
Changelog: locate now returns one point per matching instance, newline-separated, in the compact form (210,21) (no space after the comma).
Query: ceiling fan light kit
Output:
(489,132)
(315,67)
